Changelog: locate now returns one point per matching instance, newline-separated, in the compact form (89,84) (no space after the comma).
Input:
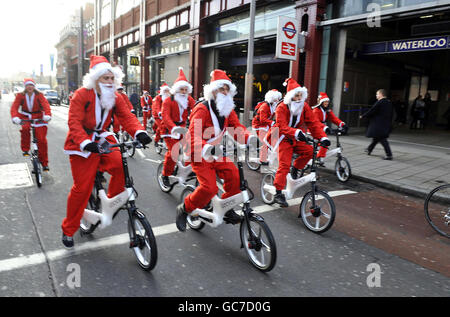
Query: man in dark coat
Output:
(380,123)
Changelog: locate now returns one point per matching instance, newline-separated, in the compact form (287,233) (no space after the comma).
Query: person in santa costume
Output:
(31,104)
(293,117)
(208,123)
(146,105)
(163,94)
(90,114)
(265,119)
(175,112)
(324,113)
(116,123)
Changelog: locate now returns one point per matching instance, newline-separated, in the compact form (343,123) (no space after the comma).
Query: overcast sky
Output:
(29,30)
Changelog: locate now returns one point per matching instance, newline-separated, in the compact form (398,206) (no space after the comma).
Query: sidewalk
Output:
(421,160)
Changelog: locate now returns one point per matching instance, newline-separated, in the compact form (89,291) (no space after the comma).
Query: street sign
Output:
(287,38)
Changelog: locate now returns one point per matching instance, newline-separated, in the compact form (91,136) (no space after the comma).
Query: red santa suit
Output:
(116,121)
(265,118)
(27,107)
(174,115)
(146,104)
(157,111)
(288,127)
(88,122)
(206,129)
(323,115)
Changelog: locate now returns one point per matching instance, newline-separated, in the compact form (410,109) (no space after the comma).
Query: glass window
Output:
(214,7)
(153,29)
(184,17)
(125,40)
(347,8)
(106,13)
(123,6)
(172,22)
(163,26)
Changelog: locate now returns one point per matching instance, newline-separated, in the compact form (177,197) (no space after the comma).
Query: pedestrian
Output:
(31,104)
(90,113)
(417,113)
(380,123)
(427,110)
(135,101)
(175,112)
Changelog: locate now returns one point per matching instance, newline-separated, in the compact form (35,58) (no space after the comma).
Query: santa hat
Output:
(272,96)
(218,79)
(323,97)
(98,67)
(29,81)
(181,81)
(163,88)
(294,88)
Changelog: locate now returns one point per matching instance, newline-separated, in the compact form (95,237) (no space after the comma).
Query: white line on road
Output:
(39,258)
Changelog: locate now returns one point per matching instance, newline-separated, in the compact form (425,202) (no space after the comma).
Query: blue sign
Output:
(409,45)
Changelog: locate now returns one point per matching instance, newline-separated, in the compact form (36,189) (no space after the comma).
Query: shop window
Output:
(214,7)
(233,4)
(354,7)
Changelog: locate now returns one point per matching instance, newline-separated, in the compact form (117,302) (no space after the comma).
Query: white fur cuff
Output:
(84,143)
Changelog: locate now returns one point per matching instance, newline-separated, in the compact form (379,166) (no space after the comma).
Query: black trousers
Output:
(384,142)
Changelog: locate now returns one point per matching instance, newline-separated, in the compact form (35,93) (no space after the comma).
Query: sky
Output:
(29,31)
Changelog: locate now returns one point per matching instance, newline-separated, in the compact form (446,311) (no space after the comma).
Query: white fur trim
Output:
(323,100)
(298,132)
(16,120)
(206,149)
(29,83)
(215,85)
(341,124)
(164,88)
(99,70)
(176,86)
(323,139)
(272,96)
(288,97)
(84,143)
(47,118)
(138,132)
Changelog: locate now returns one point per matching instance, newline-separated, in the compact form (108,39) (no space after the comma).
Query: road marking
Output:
(39,258)
(15,176)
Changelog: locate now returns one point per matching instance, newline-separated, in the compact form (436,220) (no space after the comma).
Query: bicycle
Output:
(437,209)
(182,173)
(123,136)
(35,162)
(102,210)
(342,167)
(317,217)
(256,237)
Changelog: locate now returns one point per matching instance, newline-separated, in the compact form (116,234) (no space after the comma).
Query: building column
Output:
(339,70)
(112,56)
(196,56)
(312,11)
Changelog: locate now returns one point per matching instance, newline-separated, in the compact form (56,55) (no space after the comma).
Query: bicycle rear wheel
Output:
(260,246)
(342,169)
(193,222)
(94,204)
(251,161)
(437,209)
(144,244)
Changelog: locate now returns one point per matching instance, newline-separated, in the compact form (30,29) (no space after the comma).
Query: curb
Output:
(403,190)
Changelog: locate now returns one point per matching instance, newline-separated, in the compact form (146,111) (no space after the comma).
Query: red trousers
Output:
(171,158)
(206,175)
(156,129)
(84,171)
(322,152)
(146,115)
(41,136)
(263,149)
(286,150)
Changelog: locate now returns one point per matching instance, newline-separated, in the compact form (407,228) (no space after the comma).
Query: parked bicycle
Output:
(255,234)
(317,209)
(35,162)
(437,209)
(102,210)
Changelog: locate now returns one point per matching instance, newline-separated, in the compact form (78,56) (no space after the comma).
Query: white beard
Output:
(164,96)
(182,100)
(273,106)
(296,107)
(224,104)
(108,96)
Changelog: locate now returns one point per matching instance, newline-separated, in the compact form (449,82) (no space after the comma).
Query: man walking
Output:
(380,123)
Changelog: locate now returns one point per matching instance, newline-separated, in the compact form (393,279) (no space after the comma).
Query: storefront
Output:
(407,53)
(167,54)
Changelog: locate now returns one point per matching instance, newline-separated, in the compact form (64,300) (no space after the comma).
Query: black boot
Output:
(280,199)
(294,172)
(232,217)
(166,181)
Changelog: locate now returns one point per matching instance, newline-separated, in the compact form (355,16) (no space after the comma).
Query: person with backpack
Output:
(31,104)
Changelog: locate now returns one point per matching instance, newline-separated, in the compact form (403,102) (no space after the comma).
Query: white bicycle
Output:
(102,210)
(317,209)
(255,234)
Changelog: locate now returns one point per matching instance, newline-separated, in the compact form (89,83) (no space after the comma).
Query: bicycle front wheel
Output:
(259,245)
(342,169)
(252,161)
(144,244)
(318,214)
(437,209)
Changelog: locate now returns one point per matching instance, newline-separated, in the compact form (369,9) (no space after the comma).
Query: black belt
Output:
(33,112)
(179,123)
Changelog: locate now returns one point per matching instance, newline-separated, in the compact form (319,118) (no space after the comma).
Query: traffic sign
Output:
(287,38)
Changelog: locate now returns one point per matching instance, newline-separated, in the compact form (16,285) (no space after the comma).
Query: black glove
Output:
(344,129)
(143,138)
(300,136)
(92,147)
(325,143)
(327,130)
